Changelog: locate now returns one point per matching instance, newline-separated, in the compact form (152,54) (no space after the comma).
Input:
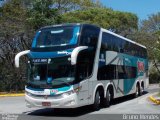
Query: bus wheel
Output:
(96,104)
(106,102)
(136,94)
(142,89)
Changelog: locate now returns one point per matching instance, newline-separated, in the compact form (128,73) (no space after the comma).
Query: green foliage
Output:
(151,27)
(12,18)
(154,76)
(103,17)
(12,40)
(41,14)
(48,12)
(152,24)
(71,5)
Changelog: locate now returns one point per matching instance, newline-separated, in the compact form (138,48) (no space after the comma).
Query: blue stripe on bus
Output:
(35,39)
(128,84)
(48,54)
(132,61)
(35,89)
(62,89)
(74,38)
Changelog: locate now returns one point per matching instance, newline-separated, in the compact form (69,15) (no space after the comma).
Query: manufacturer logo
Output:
(64,52)
(54,91)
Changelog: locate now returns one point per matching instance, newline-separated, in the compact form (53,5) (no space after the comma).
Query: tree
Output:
(41,14)
(152,24)
(48,12)
(119,22)
(12,40)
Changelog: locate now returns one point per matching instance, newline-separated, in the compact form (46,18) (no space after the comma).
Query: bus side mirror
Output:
(75,53)
(19,55)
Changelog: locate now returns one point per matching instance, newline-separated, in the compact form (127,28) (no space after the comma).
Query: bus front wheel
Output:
(96,104)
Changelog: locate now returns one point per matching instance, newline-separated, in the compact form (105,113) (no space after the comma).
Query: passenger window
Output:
(89,36)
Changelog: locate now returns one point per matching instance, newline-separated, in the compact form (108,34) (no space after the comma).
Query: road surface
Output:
(121,106)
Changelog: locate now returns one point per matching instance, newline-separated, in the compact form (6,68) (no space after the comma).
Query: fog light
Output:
(71,102)
(28,93)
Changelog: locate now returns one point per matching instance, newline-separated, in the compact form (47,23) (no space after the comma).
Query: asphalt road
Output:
(121,106)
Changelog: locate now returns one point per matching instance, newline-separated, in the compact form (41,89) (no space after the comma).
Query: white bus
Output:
(73,65)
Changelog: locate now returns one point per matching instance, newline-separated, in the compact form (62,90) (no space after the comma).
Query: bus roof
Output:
(123,38)
(72,24)
(58,25)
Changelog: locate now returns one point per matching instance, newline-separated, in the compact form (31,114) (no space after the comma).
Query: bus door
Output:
(82,75)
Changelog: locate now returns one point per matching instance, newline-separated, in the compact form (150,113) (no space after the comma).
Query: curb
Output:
(12,95)
(154,100)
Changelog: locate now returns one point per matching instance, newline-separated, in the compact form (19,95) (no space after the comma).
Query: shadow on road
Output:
(125,98)
(62,112)
(76,111)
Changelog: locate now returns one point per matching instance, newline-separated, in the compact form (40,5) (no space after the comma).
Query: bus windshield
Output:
(56,36)
(59,72)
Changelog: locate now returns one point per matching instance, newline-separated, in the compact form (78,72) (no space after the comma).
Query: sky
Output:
(142,8)
(1,2)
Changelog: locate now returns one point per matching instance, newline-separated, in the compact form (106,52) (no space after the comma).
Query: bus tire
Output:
(96,104)
(137,93)
(142,89)
(107,99)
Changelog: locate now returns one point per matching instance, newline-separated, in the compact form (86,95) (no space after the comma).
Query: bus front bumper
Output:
(64,101)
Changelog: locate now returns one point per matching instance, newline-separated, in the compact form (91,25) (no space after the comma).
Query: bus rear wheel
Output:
(96,104)
(142,89)
(137,93)
(107,100)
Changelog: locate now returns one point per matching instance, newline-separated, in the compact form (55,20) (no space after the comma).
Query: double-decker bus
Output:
(73,65)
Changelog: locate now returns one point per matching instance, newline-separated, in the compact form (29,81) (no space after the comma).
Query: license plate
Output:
(46,104)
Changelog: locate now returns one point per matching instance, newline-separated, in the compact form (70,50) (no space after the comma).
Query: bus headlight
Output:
(67,93)
(28,93)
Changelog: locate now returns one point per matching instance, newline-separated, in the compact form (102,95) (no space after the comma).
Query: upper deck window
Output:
(56,36)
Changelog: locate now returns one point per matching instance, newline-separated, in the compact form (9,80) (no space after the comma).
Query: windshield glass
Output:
(56,72)
(56,36)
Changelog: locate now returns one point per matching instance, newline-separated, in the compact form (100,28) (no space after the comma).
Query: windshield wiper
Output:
(62,81)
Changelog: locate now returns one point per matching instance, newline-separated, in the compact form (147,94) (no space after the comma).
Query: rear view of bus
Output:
(73,65)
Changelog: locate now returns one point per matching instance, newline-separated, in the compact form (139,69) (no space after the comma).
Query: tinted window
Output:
(114,43)
(56,36)
(85,61)
(89,36)
(106,42)
(109,72)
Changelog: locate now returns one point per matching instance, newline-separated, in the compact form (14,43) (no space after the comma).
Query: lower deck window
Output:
(109,72)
